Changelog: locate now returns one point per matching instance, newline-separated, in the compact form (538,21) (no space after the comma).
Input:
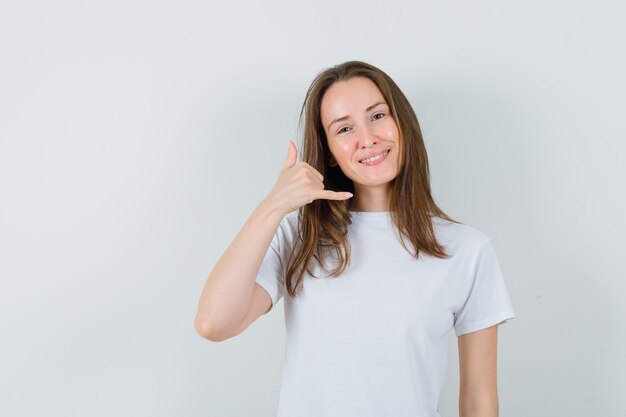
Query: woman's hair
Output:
(323,223)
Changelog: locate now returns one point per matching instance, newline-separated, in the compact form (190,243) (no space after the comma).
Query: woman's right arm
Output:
(225,304)
(227,293)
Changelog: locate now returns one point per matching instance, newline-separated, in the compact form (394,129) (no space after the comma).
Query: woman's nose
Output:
(368,136)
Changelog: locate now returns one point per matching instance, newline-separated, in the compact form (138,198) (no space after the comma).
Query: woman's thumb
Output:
(292,155)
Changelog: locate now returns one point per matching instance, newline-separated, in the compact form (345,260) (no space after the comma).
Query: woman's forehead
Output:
(349,96)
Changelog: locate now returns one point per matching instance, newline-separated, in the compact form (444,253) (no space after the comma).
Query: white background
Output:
(137,137)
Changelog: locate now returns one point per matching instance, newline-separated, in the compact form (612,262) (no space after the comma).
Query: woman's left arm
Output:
(478,395)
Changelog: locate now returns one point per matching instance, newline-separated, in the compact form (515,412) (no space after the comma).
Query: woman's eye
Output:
(378,114)
(342,129)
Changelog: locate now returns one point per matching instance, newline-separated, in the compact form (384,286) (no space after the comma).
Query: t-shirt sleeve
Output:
(488,301)
(271,273)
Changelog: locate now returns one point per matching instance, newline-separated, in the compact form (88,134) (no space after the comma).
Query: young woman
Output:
(375,276)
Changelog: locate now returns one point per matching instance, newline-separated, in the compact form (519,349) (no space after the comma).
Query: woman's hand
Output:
(299,184)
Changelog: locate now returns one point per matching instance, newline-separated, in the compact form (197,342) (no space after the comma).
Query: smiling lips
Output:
(375,159)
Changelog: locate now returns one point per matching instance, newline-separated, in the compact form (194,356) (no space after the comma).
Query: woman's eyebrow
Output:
(339,119)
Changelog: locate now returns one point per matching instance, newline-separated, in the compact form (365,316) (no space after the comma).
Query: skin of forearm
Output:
(480,412)
(227,293)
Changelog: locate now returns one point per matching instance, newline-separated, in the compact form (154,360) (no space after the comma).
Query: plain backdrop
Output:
(136,137)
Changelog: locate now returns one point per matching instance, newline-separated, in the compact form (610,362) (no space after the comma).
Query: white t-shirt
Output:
(374,340)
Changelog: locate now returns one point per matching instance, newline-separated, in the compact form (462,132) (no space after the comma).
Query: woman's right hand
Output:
(299,184)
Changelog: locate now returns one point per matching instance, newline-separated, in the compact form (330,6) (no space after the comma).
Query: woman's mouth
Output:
(376,159)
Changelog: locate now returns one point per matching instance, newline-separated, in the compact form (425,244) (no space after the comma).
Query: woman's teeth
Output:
(374,158)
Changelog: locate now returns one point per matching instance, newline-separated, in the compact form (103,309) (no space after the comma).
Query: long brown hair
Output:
(322,224)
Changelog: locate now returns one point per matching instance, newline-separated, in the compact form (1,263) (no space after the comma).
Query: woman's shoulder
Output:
(289,224)
(290,219)
(459,233)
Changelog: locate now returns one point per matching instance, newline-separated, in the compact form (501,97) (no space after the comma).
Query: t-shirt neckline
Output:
(370,214)
(379,215)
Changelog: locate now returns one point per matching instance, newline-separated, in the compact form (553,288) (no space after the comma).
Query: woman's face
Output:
(358,125)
